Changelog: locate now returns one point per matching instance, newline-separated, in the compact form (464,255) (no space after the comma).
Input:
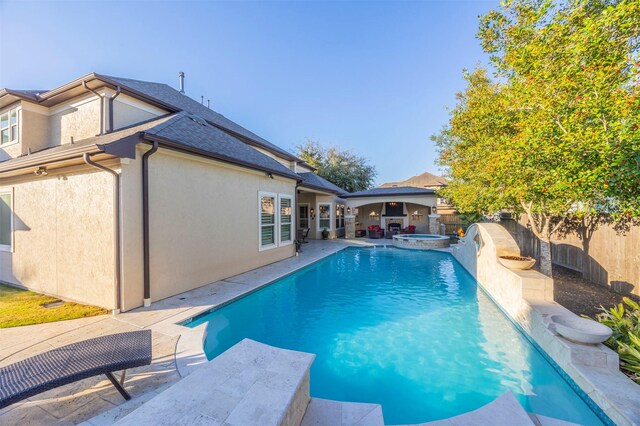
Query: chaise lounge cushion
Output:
(73,362)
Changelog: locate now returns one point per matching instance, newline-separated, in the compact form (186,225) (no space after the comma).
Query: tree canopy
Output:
(554,133)
(340,167)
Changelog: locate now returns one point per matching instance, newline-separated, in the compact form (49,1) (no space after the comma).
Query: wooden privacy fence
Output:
(452,223)
(613,259)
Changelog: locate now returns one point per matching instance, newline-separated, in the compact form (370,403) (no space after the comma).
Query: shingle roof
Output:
(423,180)
(184,130)
(313,180)
(185,133)
(171,96)
(399,190)
(94,140)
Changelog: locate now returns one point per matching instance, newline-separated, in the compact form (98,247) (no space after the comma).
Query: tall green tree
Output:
(343,168)
(556,133)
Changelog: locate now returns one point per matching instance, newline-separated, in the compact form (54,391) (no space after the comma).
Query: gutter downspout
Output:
(145,222)
(116,215)
(103,130)
(111,108)
(296,212)
(84,84)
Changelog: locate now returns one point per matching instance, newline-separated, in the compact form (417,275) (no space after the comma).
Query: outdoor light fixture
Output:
(348,210)
(270,175)
(433,209)
(42,171)
(313,213)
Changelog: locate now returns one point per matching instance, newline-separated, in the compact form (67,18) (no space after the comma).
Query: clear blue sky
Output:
(372,77)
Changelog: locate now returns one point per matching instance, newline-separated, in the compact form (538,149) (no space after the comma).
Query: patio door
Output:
(303,216)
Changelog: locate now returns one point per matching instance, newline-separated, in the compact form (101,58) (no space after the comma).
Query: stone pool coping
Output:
(527,298)
(190,353)
(167,315)
(249,384)
(410,242)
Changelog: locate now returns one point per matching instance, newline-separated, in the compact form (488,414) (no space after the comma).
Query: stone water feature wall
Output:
(527,297)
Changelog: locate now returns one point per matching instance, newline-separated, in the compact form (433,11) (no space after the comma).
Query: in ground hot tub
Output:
(420,241)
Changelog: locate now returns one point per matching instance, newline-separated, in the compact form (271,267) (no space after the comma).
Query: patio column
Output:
(349,226)
(434,224)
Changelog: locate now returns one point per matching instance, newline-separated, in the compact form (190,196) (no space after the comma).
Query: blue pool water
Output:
(406,329)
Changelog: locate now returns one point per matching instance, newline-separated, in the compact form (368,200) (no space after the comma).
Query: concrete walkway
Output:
(95,399)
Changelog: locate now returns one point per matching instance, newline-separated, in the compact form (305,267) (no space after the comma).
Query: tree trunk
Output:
(545,257)
(586,260)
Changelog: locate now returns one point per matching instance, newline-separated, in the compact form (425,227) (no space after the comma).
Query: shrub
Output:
(625,340)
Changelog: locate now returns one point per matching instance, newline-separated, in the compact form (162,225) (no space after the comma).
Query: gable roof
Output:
(95,144)
(382,192)
(180,131)
(169,95)
(220,138)
(185,131)
(423,180)
(312,180)
(160,94)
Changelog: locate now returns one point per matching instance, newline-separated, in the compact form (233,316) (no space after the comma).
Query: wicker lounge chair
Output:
(68,364)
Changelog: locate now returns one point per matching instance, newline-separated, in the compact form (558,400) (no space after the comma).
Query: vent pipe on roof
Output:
(181,78)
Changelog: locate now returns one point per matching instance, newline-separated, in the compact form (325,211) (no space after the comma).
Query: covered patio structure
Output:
(393,208)
(321,205)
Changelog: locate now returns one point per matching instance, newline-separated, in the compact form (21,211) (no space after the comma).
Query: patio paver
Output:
(94,401)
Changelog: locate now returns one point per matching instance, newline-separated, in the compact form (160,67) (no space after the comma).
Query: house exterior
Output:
(426,180)
(118,192)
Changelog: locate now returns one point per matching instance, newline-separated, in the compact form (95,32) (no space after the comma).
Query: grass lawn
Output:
(23,307)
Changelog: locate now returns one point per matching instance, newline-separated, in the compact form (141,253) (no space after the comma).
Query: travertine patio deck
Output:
(95,399)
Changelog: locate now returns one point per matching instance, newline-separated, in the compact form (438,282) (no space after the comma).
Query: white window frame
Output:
(4,247)
(291,223)
(9,126)
(276,214)
(329,228)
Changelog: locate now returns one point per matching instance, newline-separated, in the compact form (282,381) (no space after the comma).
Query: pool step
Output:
(324,412)
(502,411)
(249,384)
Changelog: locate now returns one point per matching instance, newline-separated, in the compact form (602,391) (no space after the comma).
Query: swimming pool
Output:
(406,329)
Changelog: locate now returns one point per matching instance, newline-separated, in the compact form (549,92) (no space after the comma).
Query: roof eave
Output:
(184,148)
(18,94)
(320,188)
(35,160)
(401,194)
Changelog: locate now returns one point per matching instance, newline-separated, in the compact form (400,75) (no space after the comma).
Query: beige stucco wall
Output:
(128,111)
(285,162)
(364,218)
(80,119)
(63,236)
(314,200)
(425,200)
(203,220)
(421,221)
(35,131)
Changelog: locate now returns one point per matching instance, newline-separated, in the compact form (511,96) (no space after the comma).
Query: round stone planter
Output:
(517,262)
(580,330)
